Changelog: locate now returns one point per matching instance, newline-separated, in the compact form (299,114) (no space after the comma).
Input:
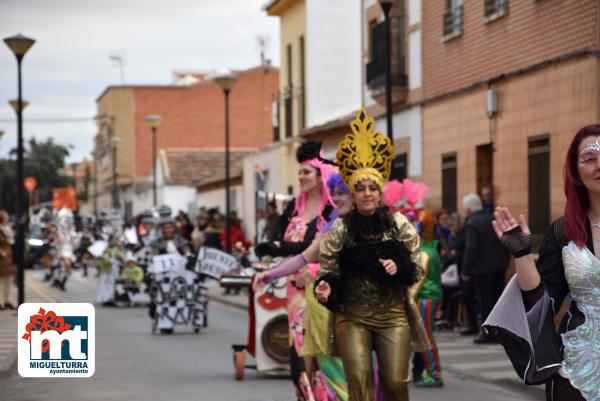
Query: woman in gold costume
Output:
(368,266)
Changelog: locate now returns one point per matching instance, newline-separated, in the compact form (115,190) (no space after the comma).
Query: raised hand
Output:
(514,234)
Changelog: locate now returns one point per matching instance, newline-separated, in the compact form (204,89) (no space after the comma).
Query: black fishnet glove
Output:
(517,242)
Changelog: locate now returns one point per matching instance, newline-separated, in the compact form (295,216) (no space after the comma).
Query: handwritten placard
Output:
(214,263)
(168,263)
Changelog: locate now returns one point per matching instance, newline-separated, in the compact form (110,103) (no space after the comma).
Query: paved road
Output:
(133,364)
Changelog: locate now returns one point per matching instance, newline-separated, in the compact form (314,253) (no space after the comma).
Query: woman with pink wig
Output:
(303,219)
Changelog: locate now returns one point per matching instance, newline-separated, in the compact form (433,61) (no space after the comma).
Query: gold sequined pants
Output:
(361,330)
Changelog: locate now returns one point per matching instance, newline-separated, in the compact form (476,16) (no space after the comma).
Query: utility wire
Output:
(50,120)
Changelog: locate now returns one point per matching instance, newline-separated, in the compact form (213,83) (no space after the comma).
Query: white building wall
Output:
(367,100)
(179,197)
(414,11)
(407,124)
(215,198)
(333,59)
(269,159)
(141,198)
(414,60)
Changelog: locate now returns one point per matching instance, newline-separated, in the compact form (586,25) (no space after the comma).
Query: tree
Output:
(42,160)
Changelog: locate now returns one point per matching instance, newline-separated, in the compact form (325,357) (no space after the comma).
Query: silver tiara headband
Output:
(592,147)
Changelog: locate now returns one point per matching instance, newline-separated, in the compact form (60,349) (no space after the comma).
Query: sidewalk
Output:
(35,291)
(8,344)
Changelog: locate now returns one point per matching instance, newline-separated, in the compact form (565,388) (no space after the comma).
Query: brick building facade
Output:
(192,117)
(506,85)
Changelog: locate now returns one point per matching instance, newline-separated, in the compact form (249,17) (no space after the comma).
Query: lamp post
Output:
(226,82)
(96,156)
(19,45)
(114,143)
(19,107)
(386,5)
(154,121)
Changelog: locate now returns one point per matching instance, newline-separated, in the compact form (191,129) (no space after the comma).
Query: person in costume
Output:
(568,363)
(8,268)
(317,316)
(108,269)
(407,197)
(429,303)
(302,220)
(170,242)
(131,274)
(368,263)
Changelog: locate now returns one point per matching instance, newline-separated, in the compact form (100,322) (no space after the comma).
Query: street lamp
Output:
(386,5)
(19,107)
(96,155)
(16,106)
(19,45)
(154,121)
(226,82)
(114,143)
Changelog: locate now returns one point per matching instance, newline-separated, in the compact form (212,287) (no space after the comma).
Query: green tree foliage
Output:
(42,160)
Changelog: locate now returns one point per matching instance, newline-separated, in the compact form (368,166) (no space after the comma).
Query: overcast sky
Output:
(69,66)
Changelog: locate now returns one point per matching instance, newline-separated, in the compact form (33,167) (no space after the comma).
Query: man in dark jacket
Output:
(485,259)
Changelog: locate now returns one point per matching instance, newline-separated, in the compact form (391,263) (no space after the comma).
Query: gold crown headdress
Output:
(364,154)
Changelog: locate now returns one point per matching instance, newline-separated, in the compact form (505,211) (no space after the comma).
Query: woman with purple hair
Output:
(301,222)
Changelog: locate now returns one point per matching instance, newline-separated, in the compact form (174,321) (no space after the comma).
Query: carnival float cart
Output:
(267,340)
(178,294)
(179,287)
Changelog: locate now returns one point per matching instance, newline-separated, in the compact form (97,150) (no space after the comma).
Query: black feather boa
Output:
(368,228)
(362,261)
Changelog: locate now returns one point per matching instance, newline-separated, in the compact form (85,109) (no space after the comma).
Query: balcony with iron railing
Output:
(376,68)
(289,102)
(453,21)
